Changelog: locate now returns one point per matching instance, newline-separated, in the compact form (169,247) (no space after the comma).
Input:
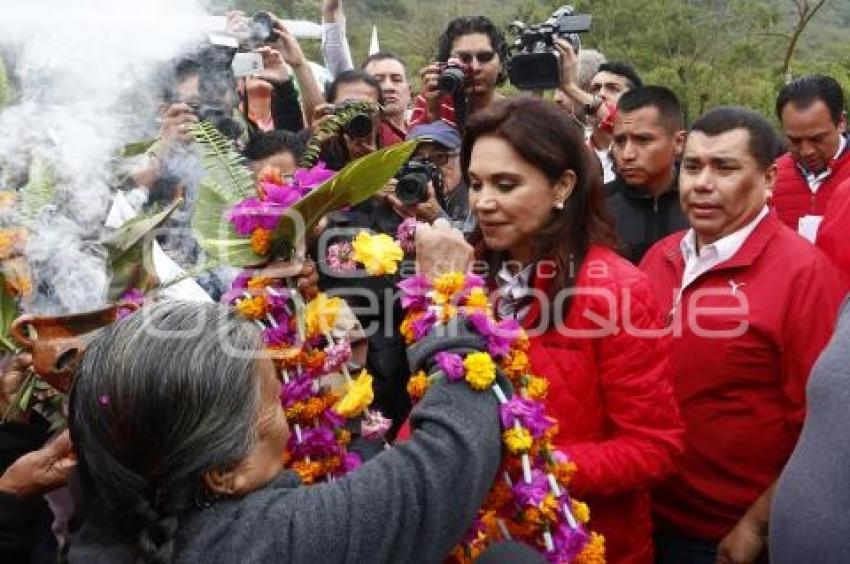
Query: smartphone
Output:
(247,64)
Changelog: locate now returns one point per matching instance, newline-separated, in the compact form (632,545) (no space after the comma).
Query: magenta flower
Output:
(351,461)
(375,426)
(316,443)
(340,256)
(480,323)
(451,365)
(531,494)
(501,336)
(406,235)
(423,325)
(307,179)
(414,292)
(530,414)
(284,196)
(278,336)
(251,214)
(297,389)
(568,543)
(333,418)
(336,356)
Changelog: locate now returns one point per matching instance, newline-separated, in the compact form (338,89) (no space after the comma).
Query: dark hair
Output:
(764,145)
(383,56)
(474,24)
(807,90)
(547,139)
(174,73)
(625,70)
(264,144)
(353,77)
(156,403)
(659,97)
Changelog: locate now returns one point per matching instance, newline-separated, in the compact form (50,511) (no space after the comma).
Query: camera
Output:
(261,30)
(413,178)
(454,77)
(360,125)
(535,64)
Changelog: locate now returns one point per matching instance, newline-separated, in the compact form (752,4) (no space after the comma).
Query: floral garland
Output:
(258,216)
(320,397)
(530,502)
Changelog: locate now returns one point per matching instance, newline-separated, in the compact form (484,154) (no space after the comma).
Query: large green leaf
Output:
(8,313)
(138,148)
(355,183)
(215,233)
(126,248)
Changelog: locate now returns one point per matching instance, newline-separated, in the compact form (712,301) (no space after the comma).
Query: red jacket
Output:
(792,198)
(612,397)
(741,392)
(834,233)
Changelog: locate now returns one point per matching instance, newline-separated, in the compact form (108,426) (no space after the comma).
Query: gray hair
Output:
(159,399)
(589,61)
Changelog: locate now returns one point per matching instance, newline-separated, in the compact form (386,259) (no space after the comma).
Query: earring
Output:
(559,206)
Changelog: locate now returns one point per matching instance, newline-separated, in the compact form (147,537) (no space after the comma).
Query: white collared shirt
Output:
(814,180)
(709,256)
(513,288)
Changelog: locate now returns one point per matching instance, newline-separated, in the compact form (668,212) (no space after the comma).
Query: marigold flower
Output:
(516,364)
(594,551)
(549,508)
(254,307)
(358,397)
(499,496)
(270,174)
(258,283)
(418,385)
(480,370)
(12,240)
(536,388)
(564,472)
(517,440)
(447,285)
(321,314)
(580,511)
(313,409)
(309,472)
(477,300)
(261,241)
(532,515)
(378,253)
(293,412)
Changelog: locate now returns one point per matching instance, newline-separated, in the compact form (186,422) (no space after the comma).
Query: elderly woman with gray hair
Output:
(179,446)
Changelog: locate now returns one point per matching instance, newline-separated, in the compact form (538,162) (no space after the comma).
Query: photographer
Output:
(611,81)
(478,47)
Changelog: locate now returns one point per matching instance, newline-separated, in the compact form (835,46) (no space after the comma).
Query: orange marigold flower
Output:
(516,364)
(580,511)
(549,508)
(314,408)
(594,551)
(254,307)
(536,388)
(532,515)
(521,343)
(11,241)
(261,241)
(315,359)
(417,385)
(309,472)
(343,436)
(259,283)
(564,472)
(500,494)
(447,313)
(270,174)
(447,285)
(406,328)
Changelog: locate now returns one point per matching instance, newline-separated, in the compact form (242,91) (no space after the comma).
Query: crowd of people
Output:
(681,286)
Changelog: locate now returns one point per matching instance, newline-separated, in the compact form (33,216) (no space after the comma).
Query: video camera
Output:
(535,64)
(413,179)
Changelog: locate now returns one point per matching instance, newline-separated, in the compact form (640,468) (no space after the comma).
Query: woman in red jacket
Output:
(595,331)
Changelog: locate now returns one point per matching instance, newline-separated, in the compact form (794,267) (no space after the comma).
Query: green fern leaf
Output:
(39,191)
(225,169)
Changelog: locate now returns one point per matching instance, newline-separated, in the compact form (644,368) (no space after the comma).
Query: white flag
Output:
(373,46)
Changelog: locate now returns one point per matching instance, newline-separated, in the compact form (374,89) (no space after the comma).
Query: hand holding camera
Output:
(176,120)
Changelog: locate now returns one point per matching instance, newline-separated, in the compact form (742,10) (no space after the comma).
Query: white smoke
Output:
(85,88)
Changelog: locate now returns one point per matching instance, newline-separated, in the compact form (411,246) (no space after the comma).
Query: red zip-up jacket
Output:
(750,330)
(610,392)
(834,233)
(792,198)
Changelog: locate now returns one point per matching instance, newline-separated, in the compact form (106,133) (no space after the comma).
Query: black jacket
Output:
(640,219)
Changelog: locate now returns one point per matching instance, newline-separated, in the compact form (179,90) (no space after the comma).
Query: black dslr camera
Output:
(260,31)
(413,178)
(535,64)
(360,124)
(454,77)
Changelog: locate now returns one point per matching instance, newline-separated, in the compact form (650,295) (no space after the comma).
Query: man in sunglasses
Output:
(479,46)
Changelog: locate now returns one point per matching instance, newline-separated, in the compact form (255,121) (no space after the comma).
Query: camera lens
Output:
(451,80)
(262,28)
(360,126)
(412,188)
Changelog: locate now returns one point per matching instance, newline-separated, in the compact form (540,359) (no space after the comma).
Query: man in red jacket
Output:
(751,305)
(811,110)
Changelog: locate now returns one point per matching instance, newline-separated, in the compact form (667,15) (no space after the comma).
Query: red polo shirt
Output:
(746,335)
